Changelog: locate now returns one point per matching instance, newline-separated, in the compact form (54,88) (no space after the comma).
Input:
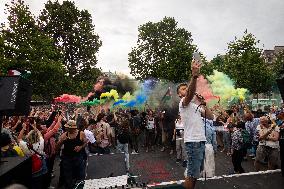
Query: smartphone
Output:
(196,56)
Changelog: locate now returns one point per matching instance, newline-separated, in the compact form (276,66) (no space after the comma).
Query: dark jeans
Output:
(158,139)
(169,142)
(150,137)
(237,158)
(73,168)
(134,142)
(49,164)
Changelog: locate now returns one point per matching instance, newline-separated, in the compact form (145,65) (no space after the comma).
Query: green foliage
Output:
(218,63)
(73,34)
(24,46)
(246,66)
(278,65)
(58,48)
(163,51)
(83,83)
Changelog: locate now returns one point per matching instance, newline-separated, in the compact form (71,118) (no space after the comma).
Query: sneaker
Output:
(133,152)
(178,160)
(253,158)
(163,149)
(172,151)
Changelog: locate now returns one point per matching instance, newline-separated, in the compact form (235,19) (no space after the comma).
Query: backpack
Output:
(246,138)
(123,132)
(123,136)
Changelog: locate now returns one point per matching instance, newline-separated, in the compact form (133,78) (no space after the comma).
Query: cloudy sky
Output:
(213,23)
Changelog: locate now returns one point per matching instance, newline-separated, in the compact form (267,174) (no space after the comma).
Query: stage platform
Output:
(259,180)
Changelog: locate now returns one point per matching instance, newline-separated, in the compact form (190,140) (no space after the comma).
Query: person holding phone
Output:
(191,111)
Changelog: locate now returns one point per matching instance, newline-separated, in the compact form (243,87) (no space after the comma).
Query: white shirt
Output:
(90,136)
(193,125)
(151,123)
(39,147)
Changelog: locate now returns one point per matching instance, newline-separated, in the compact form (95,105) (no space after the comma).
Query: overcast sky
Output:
(213,23)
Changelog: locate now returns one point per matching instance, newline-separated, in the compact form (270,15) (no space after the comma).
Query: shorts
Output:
(195,153)
(265,151)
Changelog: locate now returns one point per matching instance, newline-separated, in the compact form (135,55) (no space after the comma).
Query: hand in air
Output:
(195,68)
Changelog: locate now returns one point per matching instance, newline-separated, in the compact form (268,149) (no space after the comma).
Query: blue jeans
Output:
(123,148)
(195,153)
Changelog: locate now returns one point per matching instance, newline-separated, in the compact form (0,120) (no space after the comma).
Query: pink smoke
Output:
(66,98)
(204,89)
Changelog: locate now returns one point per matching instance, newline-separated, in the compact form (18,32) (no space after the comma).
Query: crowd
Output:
(47,132)
(71,133)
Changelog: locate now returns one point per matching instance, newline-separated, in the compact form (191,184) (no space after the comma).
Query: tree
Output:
(163,51)
(73,34)
(83,83)
(24,46)
(218,63)
(246,66)
(278,65)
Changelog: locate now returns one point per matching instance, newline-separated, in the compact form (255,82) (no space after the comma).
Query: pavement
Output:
(155,167)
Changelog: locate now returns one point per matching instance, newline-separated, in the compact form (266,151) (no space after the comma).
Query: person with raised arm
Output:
(192,108)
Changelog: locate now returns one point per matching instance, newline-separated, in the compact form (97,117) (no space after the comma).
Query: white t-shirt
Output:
(39,147)
(90,136)
(193,125)
(151,123)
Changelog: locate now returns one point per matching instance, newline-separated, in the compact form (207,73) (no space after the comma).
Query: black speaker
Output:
(16,170)
(15,95)
(280,84)
(107,165)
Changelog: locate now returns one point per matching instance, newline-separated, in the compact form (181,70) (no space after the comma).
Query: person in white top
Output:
(34,138)
(268,146)
(192,108)
(178,136)
(150,131)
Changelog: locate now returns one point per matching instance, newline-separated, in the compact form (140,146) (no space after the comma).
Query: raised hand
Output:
(195,68)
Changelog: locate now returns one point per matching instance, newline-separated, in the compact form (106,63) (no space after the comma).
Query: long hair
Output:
(33,137)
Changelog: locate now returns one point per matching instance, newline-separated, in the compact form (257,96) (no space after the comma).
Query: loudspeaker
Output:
(16,170)
(280,84)
(107,165)
(15,95)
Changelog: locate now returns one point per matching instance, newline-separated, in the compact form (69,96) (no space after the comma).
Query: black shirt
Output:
(70,144)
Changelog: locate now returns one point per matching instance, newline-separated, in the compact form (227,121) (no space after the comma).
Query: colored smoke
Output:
(223,87)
